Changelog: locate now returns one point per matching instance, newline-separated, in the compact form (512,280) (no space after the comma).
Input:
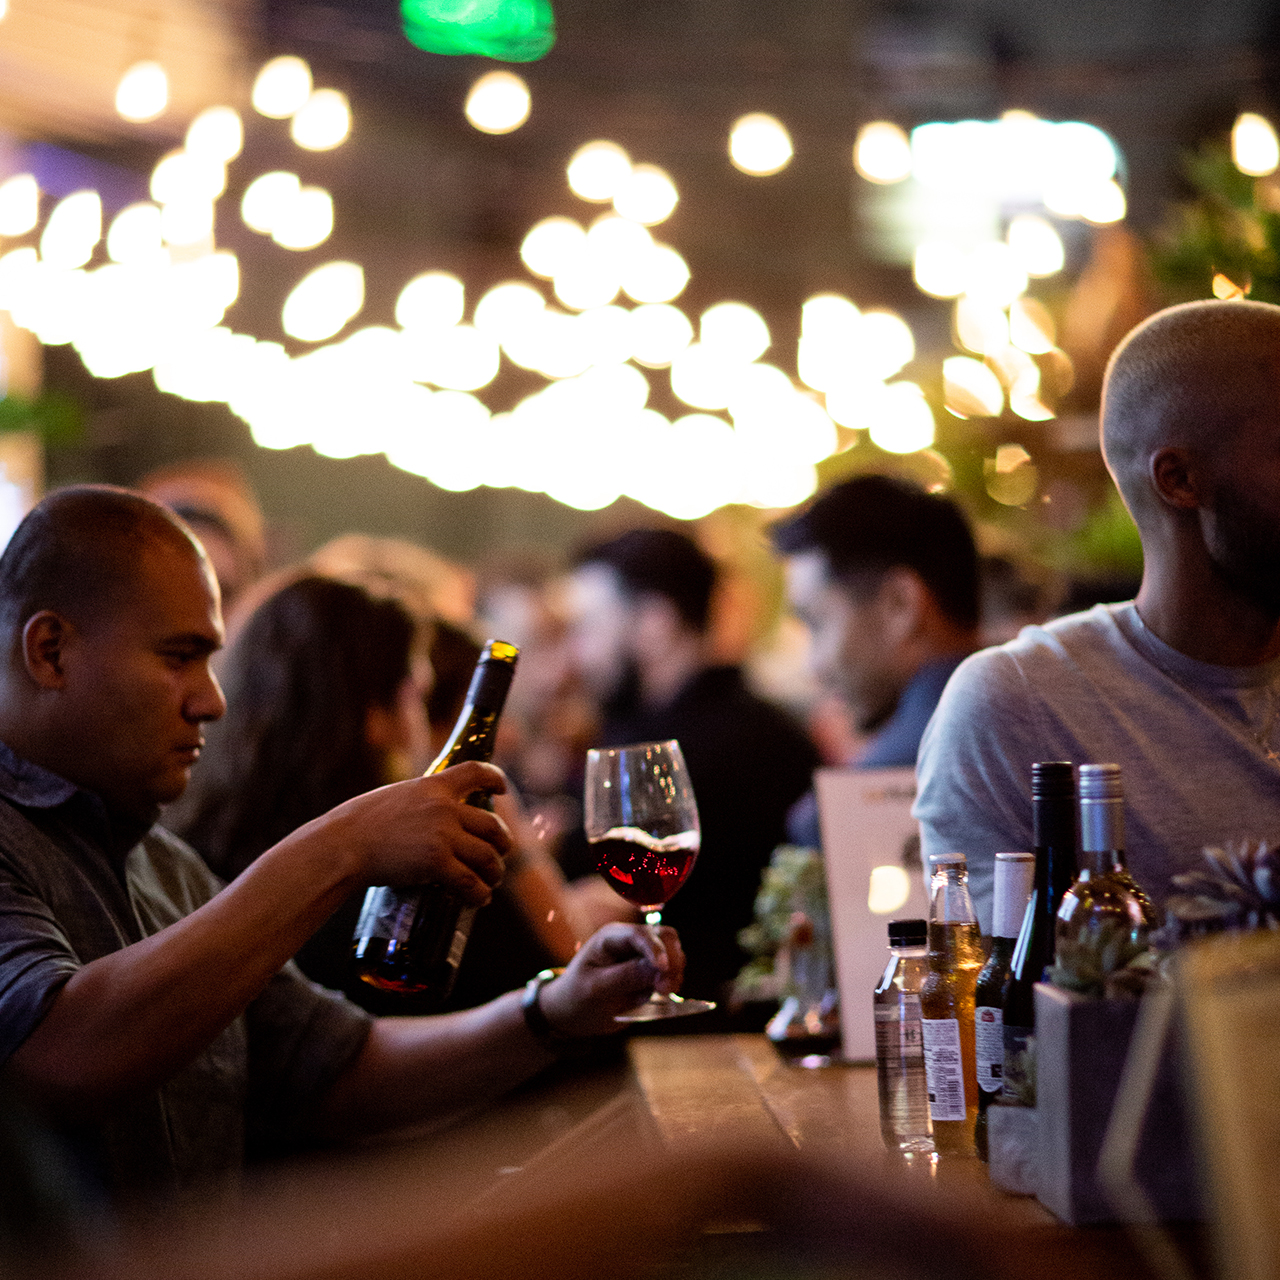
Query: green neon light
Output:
(508,30)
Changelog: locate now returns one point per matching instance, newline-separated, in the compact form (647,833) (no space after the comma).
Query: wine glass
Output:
(642,822)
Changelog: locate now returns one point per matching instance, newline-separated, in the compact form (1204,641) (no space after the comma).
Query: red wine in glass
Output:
(645,869)
(641,819)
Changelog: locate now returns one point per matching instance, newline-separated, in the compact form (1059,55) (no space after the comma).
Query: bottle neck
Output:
(950,902)
(910,953)
(1054,826)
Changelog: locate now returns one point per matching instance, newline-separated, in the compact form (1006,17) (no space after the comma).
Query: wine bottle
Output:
(1014,874)
(411,940)
(1053,825)
(946,1006)
(900,1075)
(1105,917)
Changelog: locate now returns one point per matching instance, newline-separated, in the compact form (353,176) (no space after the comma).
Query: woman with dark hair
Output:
(326,690)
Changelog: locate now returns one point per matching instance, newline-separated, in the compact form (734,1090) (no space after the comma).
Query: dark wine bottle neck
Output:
(473,735)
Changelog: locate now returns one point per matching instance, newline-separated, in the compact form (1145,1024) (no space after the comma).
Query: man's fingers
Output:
(488,827)
(463,779)
(616,942)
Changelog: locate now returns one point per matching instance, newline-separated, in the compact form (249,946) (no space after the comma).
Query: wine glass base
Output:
(658,1008)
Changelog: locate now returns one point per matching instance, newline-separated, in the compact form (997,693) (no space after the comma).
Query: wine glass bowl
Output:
(641,821)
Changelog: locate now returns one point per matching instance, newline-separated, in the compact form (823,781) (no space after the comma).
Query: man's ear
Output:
(1172,473)
(44,640)
(901,601)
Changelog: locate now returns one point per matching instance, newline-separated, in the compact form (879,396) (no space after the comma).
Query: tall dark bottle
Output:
(1053,821)
(1014,875)
(411,940)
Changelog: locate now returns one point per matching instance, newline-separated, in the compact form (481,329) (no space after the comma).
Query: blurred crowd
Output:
(347,671)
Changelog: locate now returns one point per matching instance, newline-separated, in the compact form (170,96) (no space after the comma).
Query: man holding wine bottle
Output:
(152,1017)
(1181,686)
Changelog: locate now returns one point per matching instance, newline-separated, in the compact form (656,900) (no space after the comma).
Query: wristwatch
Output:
(535,1019)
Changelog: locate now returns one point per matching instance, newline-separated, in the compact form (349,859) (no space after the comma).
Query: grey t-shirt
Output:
(72,891)
(1191,738)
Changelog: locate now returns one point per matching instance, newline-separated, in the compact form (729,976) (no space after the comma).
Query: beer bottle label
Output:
(989,1046)
(944,1068)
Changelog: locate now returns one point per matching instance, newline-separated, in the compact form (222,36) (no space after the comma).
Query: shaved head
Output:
(1190,377)
(79,553)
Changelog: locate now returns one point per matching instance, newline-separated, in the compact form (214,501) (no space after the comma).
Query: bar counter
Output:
(682,1092)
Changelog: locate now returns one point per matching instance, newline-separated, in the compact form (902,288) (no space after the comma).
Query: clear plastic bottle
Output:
(904,1092)
(956,954)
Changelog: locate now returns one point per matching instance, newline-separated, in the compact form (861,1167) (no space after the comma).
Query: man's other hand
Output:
(615,970)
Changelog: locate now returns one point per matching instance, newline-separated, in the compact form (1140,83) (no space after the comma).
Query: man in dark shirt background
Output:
(639,638)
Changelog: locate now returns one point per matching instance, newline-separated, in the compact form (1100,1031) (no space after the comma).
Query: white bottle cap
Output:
(1015,876)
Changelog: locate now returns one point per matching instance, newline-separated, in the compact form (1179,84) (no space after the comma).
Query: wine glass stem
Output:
(652,918)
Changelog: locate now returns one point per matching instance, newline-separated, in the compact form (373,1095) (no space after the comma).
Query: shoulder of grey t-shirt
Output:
(993,721)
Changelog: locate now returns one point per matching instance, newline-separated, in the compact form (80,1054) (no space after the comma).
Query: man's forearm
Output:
(129,1020)
(416,1069)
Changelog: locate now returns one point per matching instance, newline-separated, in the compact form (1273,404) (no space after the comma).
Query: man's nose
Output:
(207,701)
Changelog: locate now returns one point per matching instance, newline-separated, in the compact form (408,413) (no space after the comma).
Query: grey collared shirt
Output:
(76,884)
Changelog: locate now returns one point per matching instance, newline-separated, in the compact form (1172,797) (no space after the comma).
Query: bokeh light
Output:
(216,133)
(940,268)
(187,222)
(882,152)
(1031,327)
(73,230)
(323,301)
(281,87)
(659,332)
(182,175)
(598,170)
(551,245)
(323,121)
(970,389)
(498,102)
(433,300)
(901,421)
(646,195)
(760,145)
(19,205)
(143,92)
(305,221)
(735,330)
(660,276)
(267,199)
(995,274)
(508,310)
(1036,245)
(1254,145)
(135,235)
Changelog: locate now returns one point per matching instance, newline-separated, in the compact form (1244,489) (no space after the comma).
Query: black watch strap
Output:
(535,1019)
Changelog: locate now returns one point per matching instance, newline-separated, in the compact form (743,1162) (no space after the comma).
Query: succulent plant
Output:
(1238,887)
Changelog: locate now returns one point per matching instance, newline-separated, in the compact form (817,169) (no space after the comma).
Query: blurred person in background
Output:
(1016,593)
(330,693)
(885,576)
(639,637)
(217,502)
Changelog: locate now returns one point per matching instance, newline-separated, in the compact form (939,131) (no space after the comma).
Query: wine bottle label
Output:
(1019,1065)
(944,1068)
(988,1035)
(387,913)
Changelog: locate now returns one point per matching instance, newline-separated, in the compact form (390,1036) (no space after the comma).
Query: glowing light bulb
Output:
(282,87)
(759,144)
(143,92)
(598,170)
(971,389)
(182,175)
(19,205)
(508,309)
(1036,245)
(940,268)
(433,300)
(882,152)
(888,889)
(659,332)
(323,301)
(551,245)
(1254,145)
(646,195)
(73,229)
(216,133)
(903,421)
(498,102)
(135,235)
(735,330)
(306,221)
(659,277)
(267,198)
(323,121)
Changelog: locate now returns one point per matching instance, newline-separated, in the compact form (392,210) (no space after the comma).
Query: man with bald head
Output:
(151,1014)
(1180,686)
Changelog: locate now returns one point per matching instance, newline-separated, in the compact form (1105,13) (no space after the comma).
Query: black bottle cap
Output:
(908,933)
(1052,778)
